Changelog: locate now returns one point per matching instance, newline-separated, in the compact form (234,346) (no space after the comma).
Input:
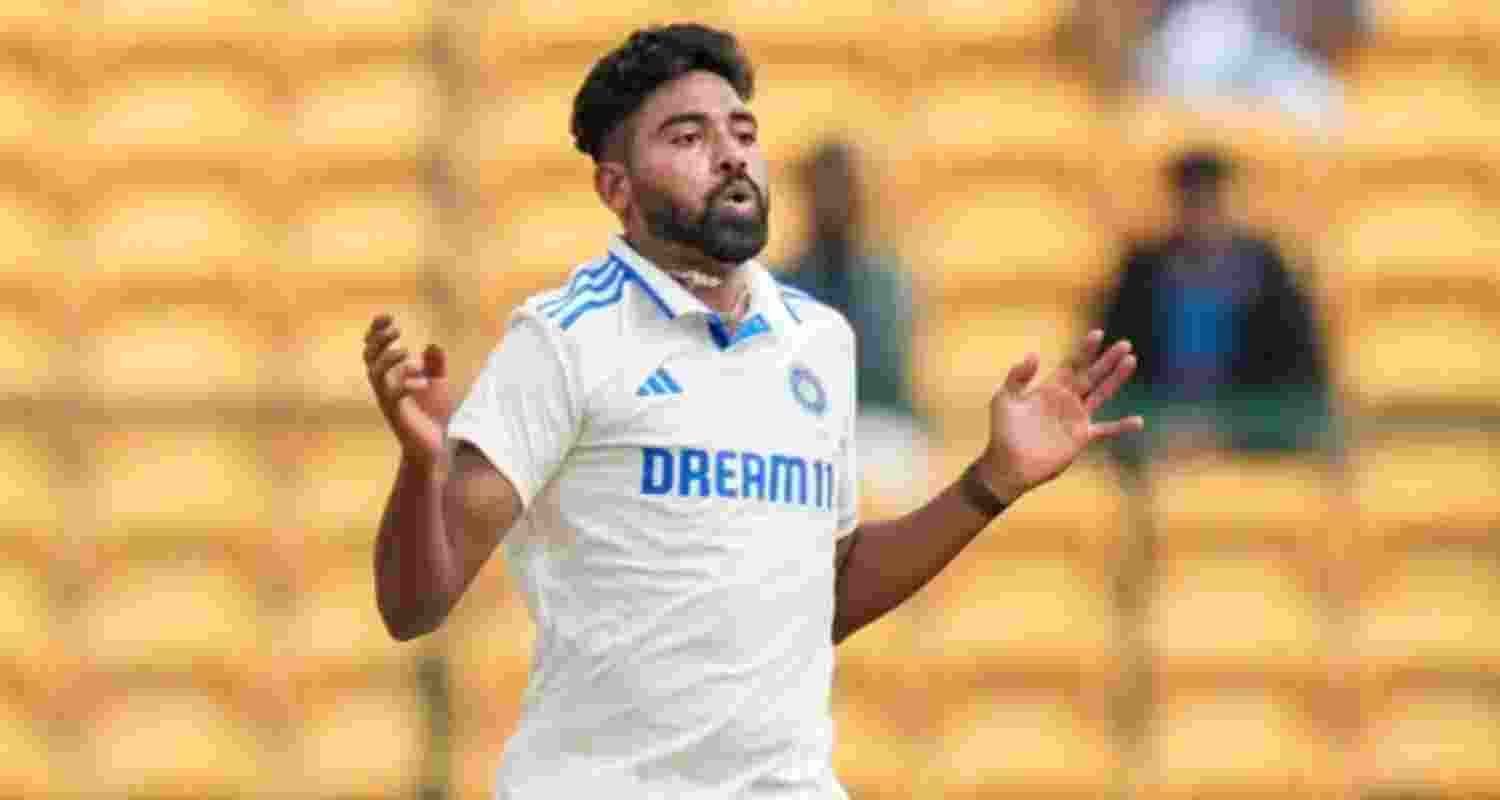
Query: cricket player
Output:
(663,445)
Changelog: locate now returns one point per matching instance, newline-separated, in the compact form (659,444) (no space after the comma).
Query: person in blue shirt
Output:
(1229,345)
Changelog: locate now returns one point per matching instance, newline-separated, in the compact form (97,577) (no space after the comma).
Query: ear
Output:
(612,184)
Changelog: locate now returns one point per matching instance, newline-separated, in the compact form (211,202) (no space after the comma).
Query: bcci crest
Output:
(808,390)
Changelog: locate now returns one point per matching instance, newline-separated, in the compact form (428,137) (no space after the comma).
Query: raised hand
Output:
(1036,431)
(414,397)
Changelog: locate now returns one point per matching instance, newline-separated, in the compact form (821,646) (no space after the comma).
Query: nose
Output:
(732,158)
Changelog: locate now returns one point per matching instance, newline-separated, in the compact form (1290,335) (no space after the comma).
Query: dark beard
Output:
(722,236)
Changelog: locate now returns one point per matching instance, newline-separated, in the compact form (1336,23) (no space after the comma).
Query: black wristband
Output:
(978,495)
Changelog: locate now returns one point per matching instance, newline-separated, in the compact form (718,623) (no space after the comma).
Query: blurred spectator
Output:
(1229,348)
(1274,51)
(870,286)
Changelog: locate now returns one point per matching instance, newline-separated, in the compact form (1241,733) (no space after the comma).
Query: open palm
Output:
(1038,429)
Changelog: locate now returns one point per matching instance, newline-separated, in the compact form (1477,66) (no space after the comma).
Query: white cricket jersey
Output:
(684,490)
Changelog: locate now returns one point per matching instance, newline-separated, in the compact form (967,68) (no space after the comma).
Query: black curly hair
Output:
(620,82)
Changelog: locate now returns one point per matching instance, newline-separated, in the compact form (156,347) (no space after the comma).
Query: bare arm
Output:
(437,532)
(444,516)
(1036,433)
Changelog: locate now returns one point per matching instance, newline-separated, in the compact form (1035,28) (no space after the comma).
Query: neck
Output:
(721,287)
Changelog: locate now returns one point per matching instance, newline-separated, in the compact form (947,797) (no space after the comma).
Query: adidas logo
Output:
(658,382)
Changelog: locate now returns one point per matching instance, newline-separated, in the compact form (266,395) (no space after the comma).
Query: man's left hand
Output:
(1037,429)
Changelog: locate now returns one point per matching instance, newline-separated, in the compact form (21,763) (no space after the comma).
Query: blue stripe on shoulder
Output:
(581,282)
(600,287)
(580,309)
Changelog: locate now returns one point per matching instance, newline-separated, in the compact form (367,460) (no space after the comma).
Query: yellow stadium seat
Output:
(175,356)
(1024,742)
(360,743)
(382,237)
(185,482)
(175,742)
(1439,740)
(33,243)
(1281,620)
(1430,23)
(1427,486)
(174,114)
(946,23)
(1430,610)
(327,367)
(31,646)
(31,351)
(102,26)
(1050,239)
(343,475)
(1417,103)
(340,24)
(798,103)
(29,118)
(1015,612)
(473,757)
(35,23)
(499,32)
(31,767)
(489,647)
(359,113)
(1018,114)
(877,744)
(786,24)
(535,240)
(334,633)
(1239,741)
(33,481)
(522,123)
(961,357)
(203,236)
(1239,499)
(188,617)
(1423,357)
(1411,234)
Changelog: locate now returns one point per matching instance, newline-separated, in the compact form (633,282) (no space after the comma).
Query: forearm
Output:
(891,560)
(418,574)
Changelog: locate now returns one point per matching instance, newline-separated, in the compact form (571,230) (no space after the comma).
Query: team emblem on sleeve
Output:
(808,390)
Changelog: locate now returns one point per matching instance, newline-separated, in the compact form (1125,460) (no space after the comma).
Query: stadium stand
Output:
(33,765)
(184,619)
(1428,738)
(174,741)
(1429,609)
(361,237)
(1057,742)
(359,742)
(1255,737)
(202,203)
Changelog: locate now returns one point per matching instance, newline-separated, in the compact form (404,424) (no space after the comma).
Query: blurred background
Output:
(1289,588)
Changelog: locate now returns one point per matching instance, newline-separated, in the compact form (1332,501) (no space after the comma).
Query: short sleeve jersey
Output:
(684,490)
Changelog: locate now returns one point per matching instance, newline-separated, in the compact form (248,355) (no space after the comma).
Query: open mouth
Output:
(740,194)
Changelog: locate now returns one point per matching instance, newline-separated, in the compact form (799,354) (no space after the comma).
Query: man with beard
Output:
(664,446)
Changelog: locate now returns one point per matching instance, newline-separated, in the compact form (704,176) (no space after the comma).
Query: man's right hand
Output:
(414,397)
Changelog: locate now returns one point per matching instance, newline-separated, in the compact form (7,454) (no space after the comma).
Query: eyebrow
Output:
(701,118)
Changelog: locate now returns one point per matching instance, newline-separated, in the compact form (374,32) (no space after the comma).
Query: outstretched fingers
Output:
(1121,371)
(1109,430)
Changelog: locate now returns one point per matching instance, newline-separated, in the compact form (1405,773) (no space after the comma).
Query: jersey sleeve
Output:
(524,411)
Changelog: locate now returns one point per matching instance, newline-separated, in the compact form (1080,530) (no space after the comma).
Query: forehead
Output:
(698,91)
